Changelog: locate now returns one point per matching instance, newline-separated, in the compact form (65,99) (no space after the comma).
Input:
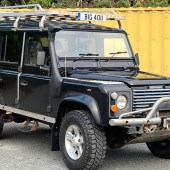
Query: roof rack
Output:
(47,15)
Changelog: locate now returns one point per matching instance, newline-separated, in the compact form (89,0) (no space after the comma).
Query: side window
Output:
(11,46)
(35,43)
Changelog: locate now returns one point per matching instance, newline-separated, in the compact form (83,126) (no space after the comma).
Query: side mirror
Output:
(40,58)
(137,59)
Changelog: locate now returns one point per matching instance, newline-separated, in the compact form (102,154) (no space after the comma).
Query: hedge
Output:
(90,3)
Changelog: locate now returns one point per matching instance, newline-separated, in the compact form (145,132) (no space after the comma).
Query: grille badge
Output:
(155,87)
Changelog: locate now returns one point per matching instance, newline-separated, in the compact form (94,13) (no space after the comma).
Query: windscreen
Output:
(93,44)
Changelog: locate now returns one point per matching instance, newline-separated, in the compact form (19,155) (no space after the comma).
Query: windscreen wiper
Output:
(85,55)
(113,54)
(126,69)
(118,52)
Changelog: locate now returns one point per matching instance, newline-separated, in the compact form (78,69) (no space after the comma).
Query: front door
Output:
(34,80)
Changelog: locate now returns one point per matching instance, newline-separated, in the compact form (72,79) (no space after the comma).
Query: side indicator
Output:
(114,108)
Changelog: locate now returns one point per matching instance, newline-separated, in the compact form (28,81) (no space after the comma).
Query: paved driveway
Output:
(31,151)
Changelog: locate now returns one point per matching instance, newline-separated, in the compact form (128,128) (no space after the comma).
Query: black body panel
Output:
(8,87)
(99,100)
(131,81)
(34,93)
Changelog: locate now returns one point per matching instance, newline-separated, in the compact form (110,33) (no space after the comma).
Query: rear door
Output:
(10,55)
(34,80)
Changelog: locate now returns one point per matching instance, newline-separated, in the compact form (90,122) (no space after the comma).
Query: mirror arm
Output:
(136,57)
(45,68)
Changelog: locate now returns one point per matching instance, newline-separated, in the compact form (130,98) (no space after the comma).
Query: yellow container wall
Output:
(149,33)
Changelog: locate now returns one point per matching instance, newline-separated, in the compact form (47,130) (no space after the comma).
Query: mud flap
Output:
(1,122)
(1,127)
(55,138)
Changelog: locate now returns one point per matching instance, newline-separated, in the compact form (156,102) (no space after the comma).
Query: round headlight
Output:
(121,102)
(113,95)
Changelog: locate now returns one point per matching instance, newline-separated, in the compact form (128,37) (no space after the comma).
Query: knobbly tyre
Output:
(84,81)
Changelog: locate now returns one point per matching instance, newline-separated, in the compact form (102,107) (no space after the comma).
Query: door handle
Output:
(24,83)
(1,81)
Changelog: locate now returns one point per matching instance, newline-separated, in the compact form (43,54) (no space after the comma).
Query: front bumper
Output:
(151,118)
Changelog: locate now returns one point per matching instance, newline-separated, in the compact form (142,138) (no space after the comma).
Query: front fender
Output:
(86,100)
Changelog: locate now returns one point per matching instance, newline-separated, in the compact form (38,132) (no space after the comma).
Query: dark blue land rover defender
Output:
(84,81)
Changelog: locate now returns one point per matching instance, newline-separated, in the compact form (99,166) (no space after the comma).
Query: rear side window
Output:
(11,46)
(35,42)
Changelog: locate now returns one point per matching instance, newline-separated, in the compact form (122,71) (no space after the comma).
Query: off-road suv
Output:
(84,81)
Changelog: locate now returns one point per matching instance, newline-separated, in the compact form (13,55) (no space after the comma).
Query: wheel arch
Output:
(75,101)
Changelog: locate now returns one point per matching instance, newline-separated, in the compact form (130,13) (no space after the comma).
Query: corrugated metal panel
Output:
(150,36)
(149,33)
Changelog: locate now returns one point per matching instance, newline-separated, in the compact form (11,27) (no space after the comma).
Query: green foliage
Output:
(13,2)
(106,3)
(43,3)
(4,3)
(103,4)
(88,3)
(122,3)
(156,3)
(65,4)
(138,4)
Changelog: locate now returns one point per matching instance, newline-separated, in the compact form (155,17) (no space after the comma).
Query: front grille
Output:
(145,98)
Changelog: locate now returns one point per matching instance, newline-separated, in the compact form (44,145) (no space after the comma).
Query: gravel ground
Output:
(31,151)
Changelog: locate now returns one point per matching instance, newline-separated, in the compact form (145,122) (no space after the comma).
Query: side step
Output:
(28,114)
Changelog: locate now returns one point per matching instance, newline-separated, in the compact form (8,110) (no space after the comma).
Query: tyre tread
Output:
(97,138)
(1,128)
(161,153)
